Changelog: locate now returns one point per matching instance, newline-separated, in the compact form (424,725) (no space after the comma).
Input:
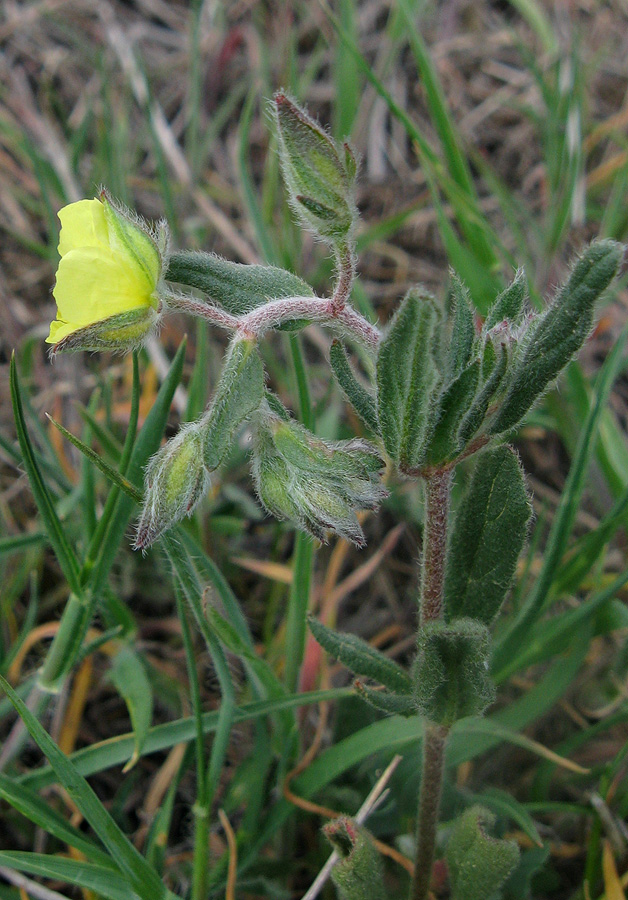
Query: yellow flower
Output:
(106,285)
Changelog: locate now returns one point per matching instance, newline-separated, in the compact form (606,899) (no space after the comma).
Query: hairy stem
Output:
(434,743)
(276,312)
(437,491)
(345,264)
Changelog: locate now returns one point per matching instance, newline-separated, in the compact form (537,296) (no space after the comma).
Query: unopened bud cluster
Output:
(317,484)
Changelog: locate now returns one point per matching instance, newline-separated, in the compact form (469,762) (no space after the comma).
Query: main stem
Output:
(437,489)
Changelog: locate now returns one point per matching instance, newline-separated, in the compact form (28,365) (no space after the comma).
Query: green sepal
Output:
(361,658)
(358,396)
(450,672)
(478,863)
(509,305)
(385,701)
(454,402)
(462,337)
(406,375)
(488,535)
(473,419)
(559,333)
(235,287)
(359,874)
(239,393)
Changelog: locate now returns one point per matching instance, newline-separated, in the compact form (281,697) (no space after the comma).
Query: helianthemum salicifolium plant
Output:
(447,387)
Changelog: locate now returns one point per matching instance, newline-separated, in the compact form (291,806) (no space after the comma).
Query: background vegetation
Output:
(492,135)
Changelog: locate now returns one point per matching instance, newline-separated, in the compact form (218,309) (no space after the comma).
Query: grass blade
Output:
(142,877)
(60,544)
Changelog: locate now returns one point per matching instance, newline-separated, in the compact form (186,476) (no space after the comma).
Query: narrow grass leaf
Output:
(509,808)
(112,474)
(30,804)
(101,879)
(144,880)
(129,678)
(60,544)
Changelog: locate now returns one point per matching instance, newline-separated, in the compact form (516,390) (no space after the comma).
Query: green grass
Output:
(191,648)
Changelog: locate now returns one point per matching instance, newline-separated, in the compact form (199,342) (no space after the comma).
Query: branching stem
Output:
(333,311)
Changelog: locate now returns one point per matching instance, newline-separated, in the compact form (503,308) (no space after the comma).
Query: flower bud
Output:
(318,173)
(359,874)
(107,280)
(176,479)
(317,485)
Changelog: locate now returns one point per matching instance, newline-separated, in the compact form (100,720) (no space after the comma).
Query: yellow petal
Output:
(83,224)
(92,285)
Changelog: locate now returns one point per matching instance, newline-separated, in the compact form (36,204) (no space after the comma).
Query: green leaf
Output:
(463,328)
(385,701)
(450,672)
(236,287)
(143,879)
(489,531)
(29,804)
(112,474)
(239,393)
(474,418)
(454,402)
(45,504)
(18,542)
(478,863)
(358,396)
(131,681)
(360,657)
(559,332)
(406,375)
(508,807)
(101,879)
(509,304)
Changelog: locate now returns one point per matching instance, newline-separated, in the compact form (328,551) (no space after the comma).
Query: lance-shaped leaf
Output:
(236,287)
(361,658)
(509,305)
(450,672)
(473,419)
(239,393)
(478,863)
(406,375)
(559,332)
(358,396)
(453,403)
(359,874)
(385,701)
(463,328)
(488,535)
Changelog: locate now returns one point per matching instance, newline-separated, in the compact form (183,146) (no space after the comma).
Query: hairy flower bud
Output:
(107,281)
(318,173)
(317,485)
(359,873)
(176,479)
